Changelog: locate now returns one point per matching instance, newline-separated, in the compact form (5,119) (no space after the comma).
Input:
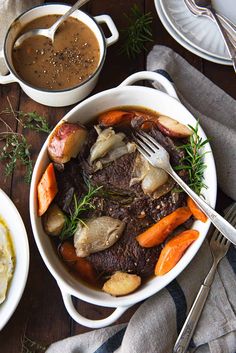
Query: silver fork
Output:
(200,11)
(219,246)
(160,158)
(207,10)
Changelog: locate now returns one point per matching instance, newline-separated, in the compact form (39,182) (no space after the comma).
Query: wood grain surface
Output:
(41,314)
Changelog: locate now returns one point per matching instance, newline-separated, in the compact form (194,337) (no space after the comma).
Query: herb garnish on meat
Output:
(193,161)
(80,206)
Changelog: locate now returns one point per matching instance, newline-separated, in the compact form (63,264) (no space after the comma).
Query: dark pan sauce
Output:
(70,60)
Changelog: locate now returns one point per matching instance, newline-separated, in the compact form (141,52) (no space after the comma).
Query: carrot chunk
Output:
(115,117)
(80,265)
(85,270)
(157,233)
(68,253)
(47,189)
(197,213)
(174,250)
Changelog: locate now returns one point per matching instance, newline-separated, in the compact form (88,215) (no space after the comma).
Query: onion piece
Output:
(107,140)
(98,234)
(108,147)
(154,178)
(151,178)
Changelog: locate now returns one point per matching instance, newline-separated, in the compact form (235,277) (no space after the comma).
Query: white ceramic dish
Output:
(64,97)
(165,103)
(19,238)
(184,31)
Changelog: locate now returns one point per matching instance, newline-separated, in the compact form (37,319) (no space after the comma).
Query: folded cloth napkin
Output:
(155,325)
(9,10)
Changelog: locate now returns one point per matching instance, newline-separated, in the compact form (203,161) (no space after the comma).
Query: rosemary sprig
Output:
(138,32)
(80,206)
(16,149)
(193,161)
(29,346)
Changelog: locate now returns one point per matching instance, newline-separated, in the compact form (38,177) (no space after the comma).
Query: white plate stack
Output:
(197,34)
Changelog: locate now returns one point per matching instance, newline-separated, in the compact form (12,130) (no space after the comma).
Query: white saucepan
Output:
(58,98)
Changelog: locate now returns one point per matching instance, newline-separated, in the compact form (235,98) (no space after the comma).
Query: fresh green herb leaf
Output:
(138,32)
(80,206)
(16,149)
(30,120)
(34,121)
(193,161)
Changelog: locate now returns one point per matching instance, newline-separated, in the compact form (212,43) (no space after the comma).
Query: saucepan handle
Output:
(112,27)
(8,78)
(89,322)
(153,76)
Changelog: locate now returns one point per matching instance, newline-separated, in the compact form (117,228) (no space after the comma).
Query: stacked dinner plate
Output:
(197,34)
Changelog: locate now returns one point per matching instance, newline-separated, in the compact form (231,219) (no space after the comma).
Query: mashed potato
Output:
(7,260)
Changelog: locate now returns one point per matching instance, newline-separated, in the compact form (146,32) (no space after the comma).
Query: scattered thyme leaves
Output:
(16,149)
(30,120)
(138,32)
(80,206)
(29,346)
(34,121)
(193,161)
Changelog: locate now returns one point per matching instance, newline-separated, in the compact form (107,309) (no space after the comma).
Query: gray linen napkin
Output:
(9,10)
(155,325)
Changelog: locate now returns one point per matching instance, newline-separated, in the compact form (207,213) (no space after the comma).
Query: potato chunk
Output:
(54,220)
(121,283)
(172,127)
(66,142)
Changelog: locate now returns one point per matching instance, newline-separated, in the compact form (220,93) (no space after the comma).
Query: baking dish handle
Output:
(88,322)
(153,76)
(112,28)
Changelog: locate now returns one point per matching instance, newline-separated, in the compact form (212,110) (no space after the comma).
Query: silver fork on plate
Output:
(219,246)
(202,11)
(159,157)
(204,8)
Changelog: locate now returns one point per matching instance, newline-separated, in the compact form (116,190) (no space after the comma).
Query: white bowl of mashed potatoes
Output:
(14,258)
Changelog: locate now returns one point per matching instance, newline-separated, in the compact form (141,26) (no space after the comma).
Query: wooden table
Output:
(41,315)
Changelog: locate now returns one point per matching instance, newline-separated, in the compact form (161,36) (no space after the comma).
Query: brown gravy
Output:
(73,57)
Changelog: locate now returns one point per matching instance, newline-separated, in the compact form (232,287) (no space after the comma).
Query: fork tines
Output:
(230,216)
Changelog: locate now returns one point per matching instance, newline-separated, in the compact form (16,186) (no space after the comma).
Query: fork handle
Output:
(229,26)
(191,321)
(230,47)
(219,222)
(194,314)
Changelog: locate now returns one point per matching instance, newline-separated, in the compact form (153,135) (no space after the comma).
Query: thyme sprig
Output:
(16,149)
(29,120)
(193,161)
(30,346)
(80,206)
(138,32)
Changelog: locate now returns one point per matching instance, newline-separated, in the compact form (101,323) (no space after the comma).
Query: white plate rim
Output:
(22,280)
(186,44)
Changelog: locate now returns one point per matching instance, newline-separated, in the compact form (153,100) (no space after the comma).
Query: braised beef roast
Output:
(118,200)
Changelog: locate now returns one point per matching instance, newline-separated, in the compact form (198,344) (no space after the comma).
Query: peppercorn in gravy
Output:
(69,60)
